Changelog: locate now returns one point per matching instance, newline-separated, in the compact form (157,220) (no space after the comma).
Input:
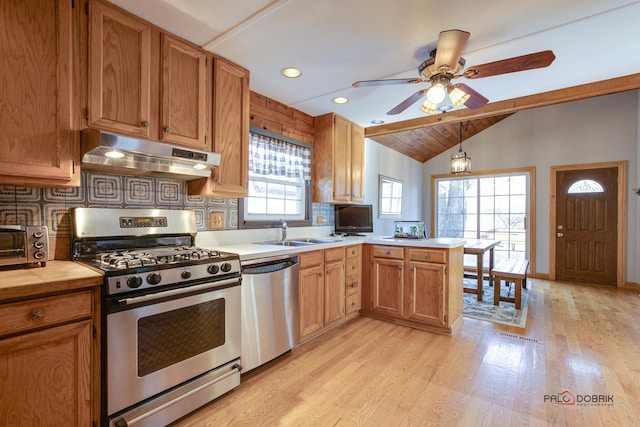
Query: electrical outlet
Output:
(216,220)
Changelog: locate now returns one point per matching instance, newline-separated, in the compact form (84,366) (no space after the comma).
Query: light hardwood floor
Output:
(583,339)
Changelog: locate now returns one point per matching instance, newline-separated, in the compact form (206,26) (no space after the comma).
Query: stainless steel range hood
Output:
(107,152)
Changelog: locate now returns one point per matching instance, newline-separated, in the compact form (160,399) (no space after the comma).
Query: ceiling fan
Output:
(445,64)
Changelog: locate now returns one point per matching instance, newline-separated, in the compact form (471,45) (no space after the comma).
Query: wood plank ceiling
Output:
(423,144)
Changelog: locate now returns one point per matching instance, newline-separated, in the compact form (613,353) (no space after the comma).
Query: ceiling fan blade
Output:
(407,102)
(451,43)
(475,99)
(511,65)
(363,83)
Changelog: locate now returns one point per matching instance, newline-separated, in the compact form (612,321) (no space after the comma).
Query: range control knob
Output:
(154,278)
(185,274)
(38,234)
(39,244)
(134,282)
(226,267)
(213,269)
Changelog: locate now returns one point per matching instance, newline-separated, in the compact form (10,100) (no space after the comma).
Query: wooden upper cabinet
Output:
(38,75)
(119,71)
(230,133)
(183,115)
(338,160)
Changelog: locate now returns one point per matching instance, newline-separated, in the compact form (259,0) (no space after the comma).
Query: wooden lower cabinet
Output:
(414,286)
(311,291)
(425,300)
(388,286)
(327,293)
(47,370)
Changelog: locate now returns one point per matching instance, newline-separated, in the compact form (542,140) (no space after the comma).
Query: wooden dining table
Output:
(479,248)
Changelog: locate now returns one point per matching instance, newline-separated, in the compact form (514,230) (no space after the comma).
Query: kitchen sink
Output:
(300,242)
(287,243)
(317,240)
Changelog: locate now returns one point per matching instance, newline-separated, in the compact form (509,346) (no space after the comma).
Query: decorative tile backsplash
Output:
(51,206)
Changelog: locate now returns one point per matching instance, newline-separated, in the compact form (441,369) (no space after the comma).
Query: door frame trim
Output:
(621,265)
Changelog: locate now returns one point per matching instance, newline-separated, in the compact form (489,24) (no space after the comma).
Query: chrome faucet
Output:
(284,230)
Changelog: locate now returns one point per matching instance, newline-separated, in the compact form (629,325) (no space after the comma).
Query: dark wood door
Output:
(586,226)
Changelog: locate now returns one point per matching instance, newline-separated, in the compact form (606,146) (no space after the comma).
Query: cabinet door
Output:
(37,91)
(311,289)
(334,292)
(426,293)
(184,94)
(388,286)
(231,128)
(357,163)
(341,159)
(119,71)
(45,377)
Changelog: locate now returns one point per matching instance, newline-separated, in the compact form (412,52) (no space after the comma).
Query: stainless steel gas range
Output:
(170,325)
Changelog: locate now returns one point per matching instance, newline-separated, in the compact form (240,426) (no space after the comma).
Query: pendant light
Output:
(460,162)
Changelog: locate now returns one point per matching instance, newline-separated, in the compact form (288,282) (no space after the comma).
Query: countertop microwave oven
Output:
(21,244)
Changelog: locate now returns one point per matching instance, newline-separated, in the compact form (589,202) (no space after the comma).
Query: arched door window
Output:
(585,186)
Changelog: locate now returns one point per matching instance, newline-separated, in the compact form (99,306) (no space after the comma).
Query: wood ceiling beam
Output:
(574,93)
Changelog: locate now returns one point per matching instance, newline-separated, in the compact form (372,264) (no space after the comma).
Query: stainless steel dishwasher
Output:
(270,313)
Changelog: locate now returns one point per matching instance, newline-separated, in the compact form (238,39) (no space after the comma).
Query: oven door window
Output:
(168,338)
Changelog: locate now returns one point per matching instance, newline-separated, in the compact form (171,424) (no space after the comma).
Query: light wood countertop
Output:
(58,276)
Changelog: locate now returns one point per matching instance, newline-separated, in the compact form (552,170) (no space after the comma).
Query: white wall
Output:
(380,160)
(588,131)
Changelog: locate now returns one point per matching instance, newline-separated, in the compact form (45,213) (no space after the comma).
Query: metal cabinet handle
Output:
(353,303)
(37,314)
(387,251)
(167,129)
(399,267)
(354,285)
(144,124)
(319,274)
(426,255)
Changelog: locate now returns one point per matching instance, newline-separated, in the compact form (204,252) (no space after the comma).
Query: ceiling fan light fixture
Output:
(429,107)
(458,96)
(437,92)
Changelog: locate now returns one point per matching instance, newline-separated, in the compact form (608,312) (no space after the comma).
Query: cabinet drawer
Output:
(428,255)
(331,255)
(352,303)
(352,287)
(310,259)
(41,312)
(353,267)
(388,252)
(353,251)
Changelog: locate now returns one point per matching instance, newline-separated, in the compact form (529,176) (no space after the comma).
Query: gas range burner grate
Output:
(148,257)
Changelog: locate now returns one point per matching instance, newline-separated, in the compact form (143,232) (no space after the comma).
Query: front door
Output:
(586,225)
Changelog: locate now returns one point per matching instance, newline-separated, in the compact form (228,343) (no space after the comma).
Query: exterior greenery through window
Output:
(279,181)
(485,207)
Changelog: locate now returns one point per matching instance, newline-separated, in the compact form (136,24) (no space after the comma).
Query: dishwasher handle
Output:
(265,266)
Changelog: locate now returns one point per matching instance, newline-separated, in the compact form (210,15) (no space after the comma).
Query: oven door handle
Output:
(179,291)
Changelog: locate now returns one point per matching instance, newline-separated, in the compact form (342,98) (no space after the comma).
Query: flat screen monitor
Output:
(353,219)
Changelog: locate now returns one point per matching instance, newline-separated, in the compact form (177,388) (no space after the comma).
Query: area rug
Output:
(505,313)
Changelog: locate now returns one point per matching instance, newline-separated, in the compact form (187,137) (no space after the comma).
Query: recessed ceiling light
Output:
(377,122)
(340,100)
(291,72)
